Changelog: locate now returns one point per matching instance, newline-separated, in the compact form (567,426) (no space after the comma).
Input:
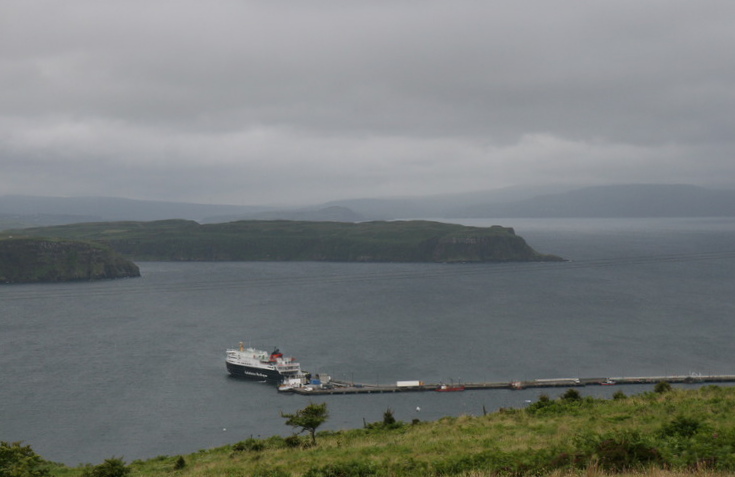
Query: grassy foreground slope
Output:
(279,240)
(678,430)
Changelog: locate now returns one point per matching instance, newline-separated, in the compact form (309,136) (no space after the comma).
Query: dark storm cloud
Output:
(252,102)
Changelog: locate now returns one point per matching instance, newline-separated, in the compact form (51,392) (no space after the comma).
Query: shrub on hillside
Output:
(571,395)
(293,441)
(544,402)
(17,460)
(389,422)
(271,473)
(681,426)
(571,402)
(112,467)
(618,451)
(619,395)
(343,469)
(250,444)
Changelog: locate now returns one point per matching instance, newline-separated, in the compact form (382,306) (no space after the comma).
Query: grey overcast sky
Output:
(302,101)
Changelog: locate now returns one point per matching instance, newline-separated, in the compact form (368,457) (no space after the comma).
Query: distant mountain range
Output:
(653,200)
(639,200)
(43,210)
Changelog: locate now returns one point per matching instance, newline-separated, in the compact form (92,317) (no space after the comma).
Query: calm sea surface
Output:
(135,368)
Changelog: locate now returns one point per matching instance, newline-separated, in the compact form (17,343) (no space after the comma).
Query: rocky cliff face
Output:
(499,248)
(30,260)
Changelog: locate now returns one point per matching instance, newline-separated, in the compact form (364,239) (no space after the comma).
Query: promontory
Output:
(281,240)
(36,259)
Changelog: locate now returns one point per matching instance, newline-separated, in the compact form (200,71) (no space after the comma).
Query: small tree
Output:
(308,419)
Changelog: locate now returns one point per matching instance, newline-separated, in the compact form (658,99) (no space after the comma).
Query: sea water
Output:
(135,368)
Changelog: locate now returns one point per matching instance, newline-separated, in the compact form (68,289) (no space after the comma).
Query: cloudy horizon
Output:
(246,102)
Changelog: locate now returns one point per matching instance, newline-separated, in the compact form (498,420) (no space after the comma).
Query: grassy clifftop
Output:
(29,260)
(409,241)
(685,431)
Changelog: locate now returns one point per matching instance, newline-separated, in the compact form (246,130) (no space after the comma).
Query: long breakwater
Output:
(344,387)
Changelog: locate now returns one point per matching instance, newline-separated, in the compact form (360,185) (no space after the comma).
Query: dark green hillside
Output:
(410,241)
(28,260)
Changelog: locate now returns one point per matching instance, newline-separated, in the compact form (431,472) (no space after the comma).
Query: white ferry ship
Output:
(260,365)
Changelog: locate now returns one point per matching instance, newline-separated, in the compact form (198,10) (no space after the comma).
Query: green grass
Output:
(680,432)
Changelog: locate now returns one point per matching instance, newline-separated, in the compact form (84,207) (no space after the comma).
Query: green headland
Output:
(36,259)
(399,241)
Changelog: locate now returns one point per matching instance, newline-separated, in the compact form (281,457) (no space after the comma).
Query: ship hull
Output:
(257,374)
(449,389)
